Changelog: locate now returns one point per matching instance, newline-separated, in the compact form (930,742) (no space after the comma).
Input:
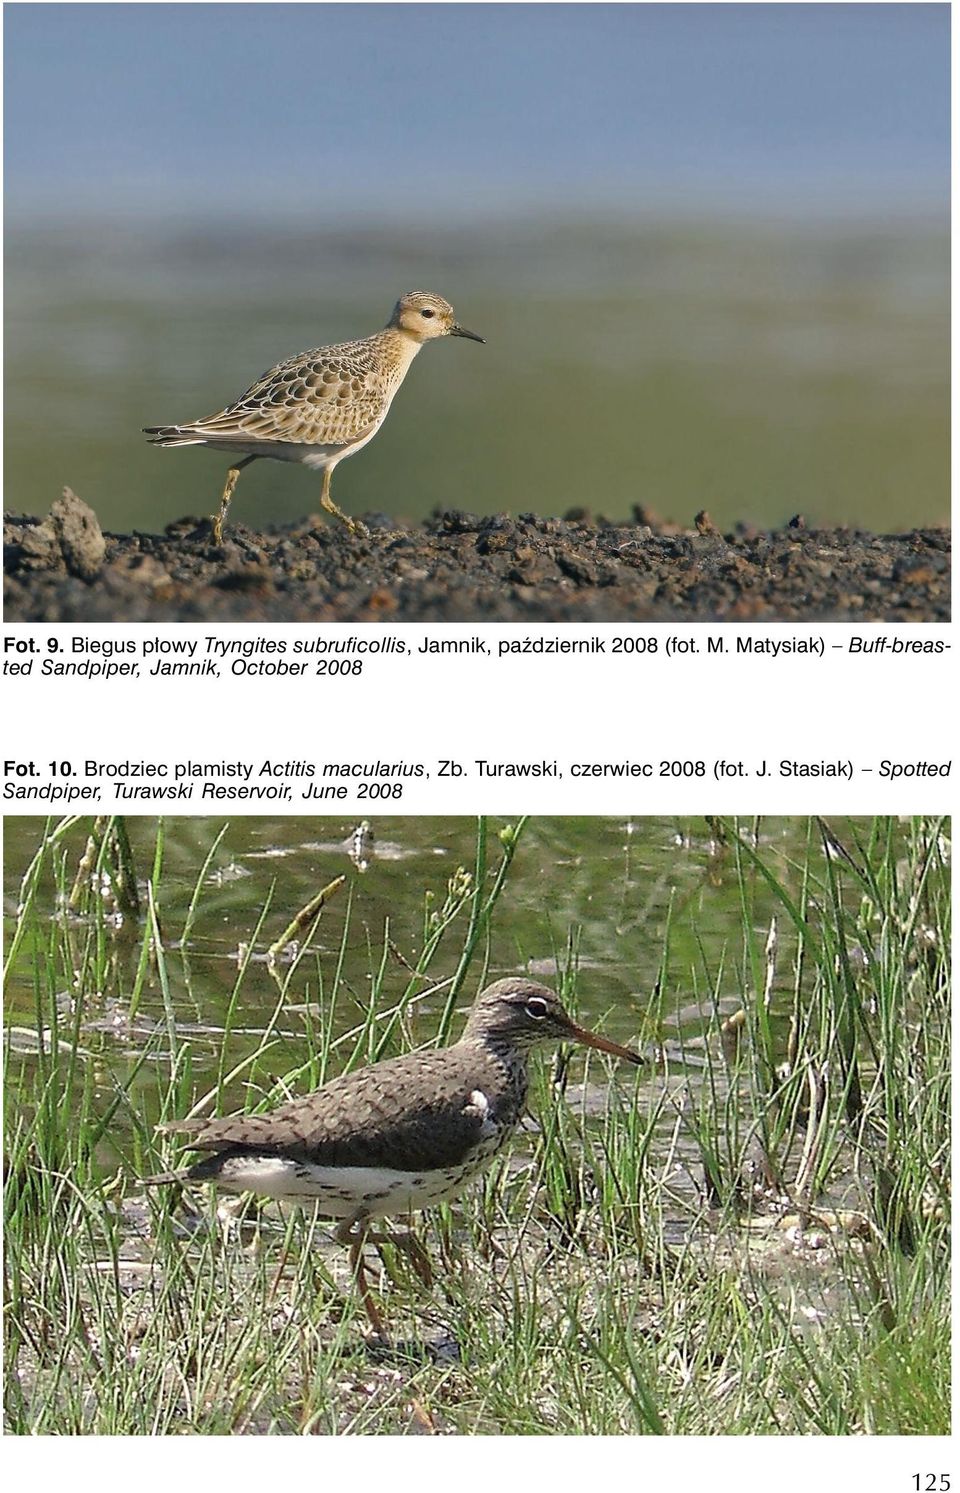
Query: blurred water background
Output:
(707,245)
(600,895)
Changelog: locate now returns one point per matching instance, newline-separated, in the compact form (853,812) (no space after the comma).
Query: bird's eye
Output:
(427,312)
(536,1008)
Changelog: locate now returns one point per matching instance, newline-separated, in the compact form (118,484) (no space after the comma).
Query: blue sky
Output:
(344,111)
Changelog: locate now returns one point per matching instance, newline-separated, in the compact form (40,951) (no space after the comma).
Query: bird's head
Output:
(525,1014)
(424,316)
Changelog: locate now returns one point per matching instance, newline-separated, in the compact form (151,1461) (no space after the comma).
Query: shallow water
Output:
(593,894)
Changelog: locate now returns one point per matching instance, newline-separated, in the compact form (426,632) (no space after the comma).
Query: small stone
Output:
(453,521)
(79,536)
(492,542)
(914,571)
(584,572)
(38,548)
(185,527)
(146,571)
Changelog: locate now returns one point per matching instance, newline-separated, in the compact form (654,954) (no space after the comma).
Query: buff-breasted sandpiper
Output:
(322,405)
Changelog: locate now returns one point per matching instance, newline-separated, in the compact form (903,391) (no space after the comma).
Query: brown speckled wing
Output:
(412,1113)
(326,397)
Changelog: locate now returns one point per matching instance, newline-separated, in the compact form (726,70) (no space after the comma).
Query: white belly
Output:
(322,457)
(341,1192)
(319,458)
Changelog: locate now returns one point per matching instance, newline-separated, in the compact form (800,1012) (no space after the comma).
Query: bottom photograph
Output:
(556,1126)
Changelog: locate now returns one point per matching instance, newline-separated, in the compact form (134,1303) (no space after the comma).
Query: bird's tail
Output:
(164,1177)
(173,435)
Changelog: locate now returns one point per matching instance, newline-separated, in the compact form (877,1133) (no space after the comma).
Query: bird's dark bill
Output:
(602,1044)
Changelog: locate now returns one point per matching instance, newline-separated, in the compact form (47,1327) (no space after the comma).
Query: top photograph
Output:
(628,313)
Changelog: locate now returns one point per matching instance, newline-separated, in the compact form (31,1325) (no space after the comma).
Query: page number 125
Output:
(930,1482)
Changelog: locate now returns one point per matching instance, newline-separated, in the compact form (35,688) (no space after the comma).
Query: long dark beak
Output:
(458,331)
(602,1044)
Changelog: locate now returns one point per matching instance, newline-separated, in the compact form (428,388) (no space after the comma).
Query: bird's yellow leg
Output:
(218,518)
(353,524)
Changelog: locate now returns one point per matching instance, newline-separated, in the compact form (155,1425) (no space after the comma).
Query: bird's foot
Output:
(357,529)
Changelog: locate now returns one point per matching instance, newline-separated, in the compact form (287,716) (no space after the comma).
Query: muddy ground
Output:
(456,567)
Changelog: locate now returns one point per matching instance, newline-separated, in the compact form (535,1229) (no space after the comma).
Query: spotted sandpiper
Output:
(398,1135)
